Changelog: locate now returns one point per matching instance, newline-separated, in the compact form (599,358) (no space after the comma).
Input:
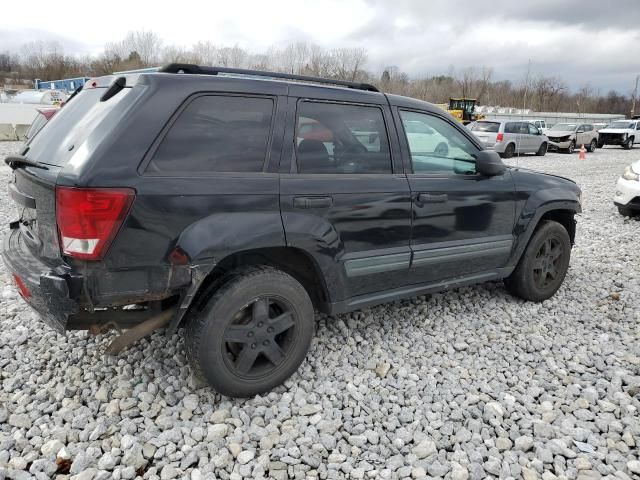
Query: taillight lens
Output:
(89,218)
(499,137)
(22,287)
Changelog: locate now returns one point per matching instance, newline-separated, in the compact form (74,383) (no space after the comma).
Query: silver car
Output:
(567,136)
(510,138)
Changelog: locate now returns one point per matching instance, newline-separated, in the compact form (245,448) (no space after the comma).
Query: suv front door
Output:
(535,136)
(462,221)
(343,196)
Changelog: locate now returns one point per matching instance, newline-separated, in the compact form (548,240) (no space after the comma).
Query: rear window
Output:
(492,127)
(216,133)
(61,137)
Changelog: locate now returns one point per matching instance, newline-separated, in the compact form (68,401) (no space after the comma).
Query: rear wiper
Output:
(15,161)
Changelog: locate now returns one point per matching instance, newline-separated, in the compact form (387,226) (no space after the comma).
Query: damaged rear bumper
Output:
(46,290)
(66,300)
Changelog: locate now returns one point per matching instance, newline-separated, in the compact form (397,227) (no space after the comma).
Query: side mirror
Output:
(489,163)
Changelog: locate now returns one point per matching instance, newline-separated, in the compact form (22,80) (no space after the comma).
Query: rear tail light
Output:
(89,219)
(500,137)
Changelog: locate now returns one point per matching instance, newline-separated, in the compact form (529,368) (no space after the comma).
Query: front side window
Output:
(337,138)
(533,130)
(441,149)
(216,133)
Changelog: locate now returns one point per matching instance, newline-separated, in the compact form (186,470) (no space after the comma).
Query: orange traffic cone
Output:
(582,155)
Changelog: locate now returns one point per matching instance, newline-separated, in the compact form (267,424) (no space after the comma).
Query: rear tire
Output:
(592,146)
(542,151)
(509,151)
(252,333)
(543,265)
(628,145)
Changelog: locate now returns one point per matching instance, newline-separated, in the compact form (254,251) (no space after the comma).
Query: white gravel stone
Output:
(503,387)
(425,448)
(52,447)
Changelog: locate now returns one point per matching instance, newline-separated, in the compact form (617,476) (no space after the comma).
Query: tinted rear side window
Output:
(492,127)
(216,133)
(512,127)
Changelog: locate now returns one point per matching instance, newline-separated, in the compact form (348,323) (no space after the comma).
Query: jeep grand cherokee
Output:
(236,202)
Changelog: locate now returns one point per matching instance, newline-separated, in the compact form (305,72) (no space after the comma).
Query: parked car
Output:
(566,136)
(510,138)
(627,197)
(625,133)
(42,117)
(540,124)
(238,204)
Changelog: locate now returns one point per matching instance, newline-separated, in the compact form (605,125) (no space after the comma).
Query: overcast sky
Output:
(583,41)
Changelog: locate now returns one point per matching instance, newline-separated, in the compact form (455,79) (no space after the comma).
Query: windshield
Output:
(485,127)
(564,127)
(620,125)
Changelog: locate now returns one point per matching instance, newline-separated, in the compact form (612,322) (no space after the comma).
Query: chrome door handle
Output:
(432,197)
(312,202)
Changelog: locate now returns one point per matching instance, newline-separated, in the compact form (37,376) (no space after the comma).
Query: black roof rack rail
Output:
(201,70)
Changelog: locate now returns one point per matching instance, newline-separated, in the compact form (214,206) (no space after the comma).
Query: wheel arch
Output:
(291,260)
(561,211)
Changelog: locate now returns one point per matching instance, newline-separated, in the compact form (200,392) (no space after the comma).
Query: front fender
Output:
(538,204)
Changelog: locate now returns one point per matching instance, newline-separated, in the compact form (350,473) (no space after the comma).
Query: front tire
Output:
(628,145)
(592,146)
(625,211)
(252,333)
(572,147)
(543,265)
(542,151)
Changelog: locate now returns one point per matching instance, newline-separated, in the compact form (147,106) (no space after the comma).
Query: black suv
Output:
(236,202)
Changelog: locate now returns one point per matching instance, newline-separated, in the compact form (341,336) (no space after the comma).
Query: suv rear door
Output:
(343,195)
(462,221)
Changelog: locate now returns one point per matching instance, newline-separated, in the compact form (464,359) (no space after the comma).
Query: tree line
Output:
(140,49)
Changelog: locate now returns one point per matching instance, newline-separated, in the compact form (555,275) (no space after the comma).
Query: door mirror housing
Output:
(489,163)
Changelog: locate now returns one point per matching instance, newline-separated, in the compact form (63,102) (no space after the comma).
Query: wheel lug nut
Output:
(260,324)
(270,329)
(250,334)
(253,345)
(265,343)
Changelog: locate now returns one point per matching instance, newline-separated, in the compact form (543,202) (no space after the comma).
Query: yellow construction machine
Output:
(463,109)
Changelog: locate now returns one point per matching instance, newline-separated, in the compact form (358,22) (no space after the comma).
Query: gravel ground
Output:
(471,383)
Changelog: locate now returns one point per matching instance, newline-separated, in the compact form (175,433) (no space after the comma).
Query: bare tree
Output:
(48,61)
(204,53)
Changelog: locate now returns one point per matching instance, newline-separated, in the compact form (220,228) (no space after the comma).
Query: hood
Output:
(537,172)
(613,130)
(559,133)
